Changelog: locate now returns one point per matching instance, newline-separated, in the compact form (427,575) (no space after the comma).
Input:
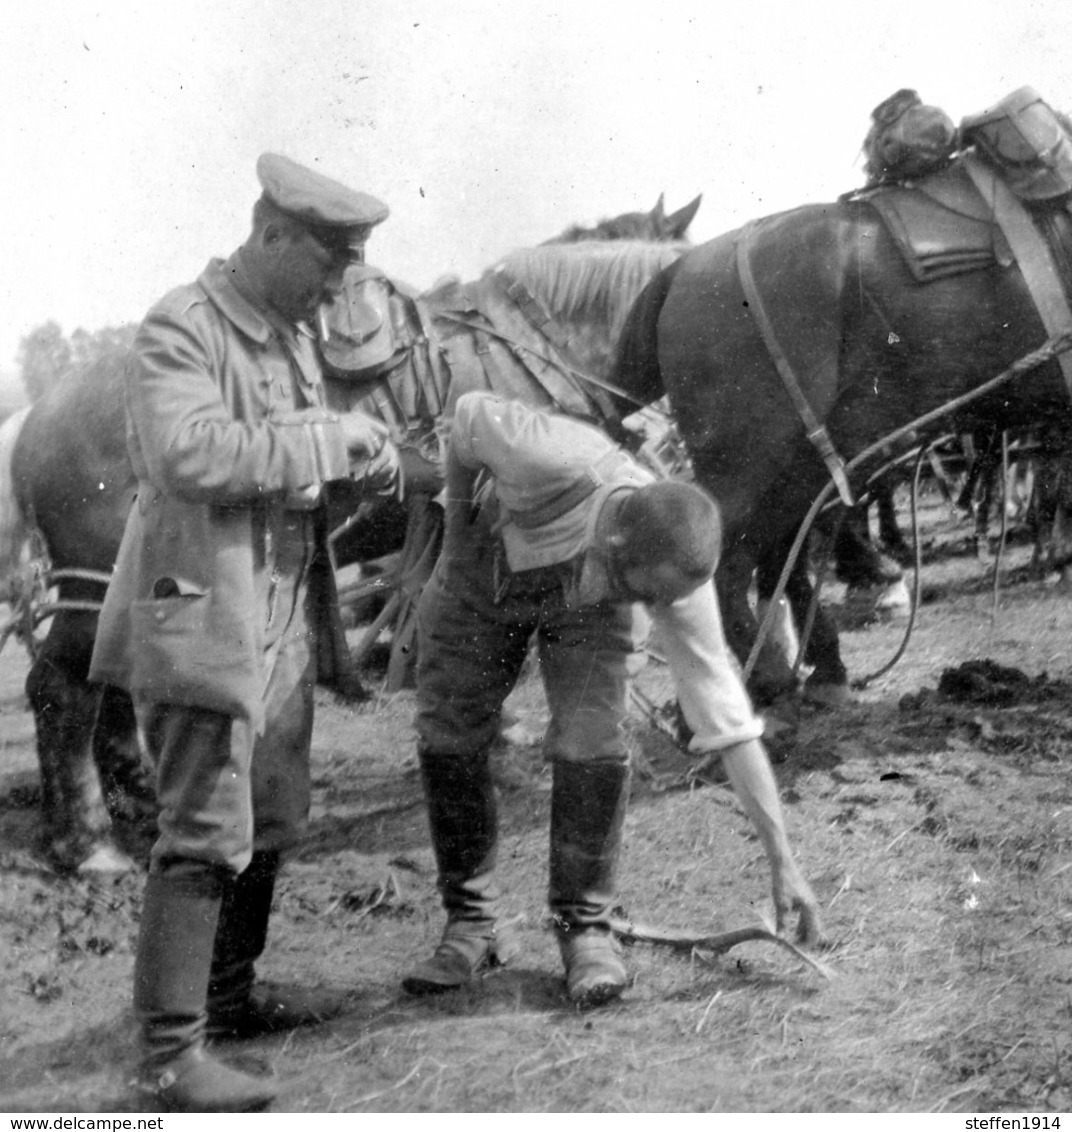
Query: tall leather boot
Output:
(179,915)
(463,817)
(588,805)
(238,1007)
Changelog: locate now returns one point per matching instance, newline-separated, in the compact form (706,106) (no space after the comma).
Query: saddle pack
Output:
(1028,142)
(369,327)
(922,186)
(907,139)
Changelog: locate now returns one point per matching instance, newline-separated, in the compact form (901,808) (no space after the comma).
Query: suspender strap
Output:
(589,482)
(816,431)
(1032,253)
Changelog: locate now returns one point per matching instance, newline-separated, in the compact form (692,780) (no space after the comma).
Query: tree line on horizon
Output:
(46,354)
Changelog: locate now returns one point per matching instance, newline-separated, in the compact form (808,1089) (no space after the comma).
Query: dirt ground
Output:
(935,825)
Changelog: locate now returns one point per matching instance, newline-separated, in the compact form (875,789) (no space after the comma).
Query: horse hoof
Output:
(828,695)
(106,860)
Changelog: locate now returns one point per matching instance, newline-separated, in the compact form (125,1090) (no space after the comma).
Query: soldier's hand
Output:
(303,498)
(383,473)
(364,435)
(793,894)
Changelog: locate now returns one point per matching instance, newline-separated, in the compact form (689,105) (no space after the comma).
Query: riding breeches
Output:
(475,629)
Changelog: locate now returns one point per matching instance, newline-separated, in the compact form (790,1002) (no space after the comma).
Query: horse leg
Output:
(978,491)
(889,530)
(125,776)
(875,581)
(77,827)
(829,680)
(772,675)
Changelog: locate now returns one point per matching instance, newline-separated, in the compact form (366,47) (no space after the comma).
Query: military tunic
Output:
(521,560)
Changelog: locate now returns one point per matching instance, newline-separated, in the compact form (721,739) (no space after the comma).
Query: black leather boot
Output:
(238,1007)
(463,817)
(171,970)
(588,805)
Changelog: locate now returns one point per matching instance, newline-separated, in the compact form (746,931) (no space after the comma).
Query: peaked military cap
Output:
(338,216)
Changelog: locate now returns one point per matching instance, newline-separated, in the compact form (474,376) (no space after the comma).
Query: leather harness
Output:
(815,429)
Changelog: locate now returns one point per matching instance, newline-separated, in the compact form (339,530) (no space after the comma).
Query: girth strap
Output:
(816,431)
(1032,254)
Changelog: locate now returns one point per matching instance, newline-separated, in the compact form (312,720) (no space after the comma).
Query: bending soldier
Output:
(552,529)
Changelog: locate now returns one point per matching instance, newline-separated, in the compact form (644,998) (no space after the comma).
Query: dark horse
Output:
(73,480)
(872,350)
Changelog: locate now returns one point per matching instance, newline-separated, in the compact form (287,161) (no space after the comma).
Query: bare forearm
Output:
(750,775)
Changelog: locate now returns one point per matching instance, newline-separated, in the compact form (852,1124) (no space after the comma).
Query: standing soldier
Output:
(222,614)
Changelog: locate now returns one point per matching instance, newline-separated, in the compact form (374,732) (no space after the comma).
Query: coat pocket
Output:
(186,650)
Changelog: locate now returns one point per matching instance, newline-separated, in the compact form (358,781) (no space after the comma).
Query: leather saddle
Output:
(941,225)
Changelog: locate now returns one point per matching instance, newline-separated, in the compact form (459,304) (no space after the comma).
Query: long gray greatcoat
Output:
(217,440)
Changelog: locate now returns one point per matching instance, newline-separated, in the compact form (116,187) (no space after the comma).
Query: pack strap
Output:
(814,428)
(522,352)
(537,315)
(1032,254)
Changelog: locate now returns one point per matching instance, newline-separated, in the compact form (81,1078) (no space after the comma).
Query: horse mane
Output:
(590,282)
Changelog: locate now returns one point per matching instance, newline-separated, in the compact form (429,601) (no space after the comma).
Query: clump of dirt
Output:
(987,682)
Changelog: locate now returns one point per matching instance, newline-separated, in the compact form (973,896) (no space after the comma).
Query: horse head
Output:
(654,226)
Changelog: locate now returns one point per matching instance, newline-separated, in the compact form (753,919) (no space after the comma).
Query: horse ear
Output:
(657,213)
(677,223)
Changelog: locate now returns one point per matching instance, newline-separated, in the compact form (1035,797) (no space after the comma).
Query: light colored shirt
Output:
(536,460)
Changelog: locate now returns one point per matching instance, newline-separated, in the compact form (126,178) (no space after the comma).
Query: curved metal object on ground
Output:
(716,944)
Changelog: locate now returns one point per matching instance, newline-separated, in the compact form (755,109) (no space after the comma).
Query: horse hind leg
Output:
(125,776)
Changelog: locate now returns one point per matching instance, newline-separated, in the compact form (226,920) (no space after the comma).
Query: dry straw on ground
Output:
(937,833)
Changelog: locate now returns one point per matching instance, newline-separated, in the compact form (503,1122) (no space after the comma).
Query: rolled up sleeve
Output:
(706,676)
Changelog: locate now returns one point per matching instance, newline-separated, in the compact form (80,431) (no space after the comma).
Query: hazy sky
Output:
(130,130)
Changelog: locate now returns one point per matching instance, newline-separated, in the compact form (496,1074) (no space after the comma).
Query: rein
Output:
(917,582)
(1052,348)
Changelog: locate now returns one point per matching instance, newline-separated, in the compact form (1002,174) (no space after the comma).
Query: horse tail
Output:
(15,528)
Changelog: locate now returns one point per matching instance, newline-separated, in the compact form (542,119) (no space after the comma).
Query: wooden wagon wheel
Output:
(403,585)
